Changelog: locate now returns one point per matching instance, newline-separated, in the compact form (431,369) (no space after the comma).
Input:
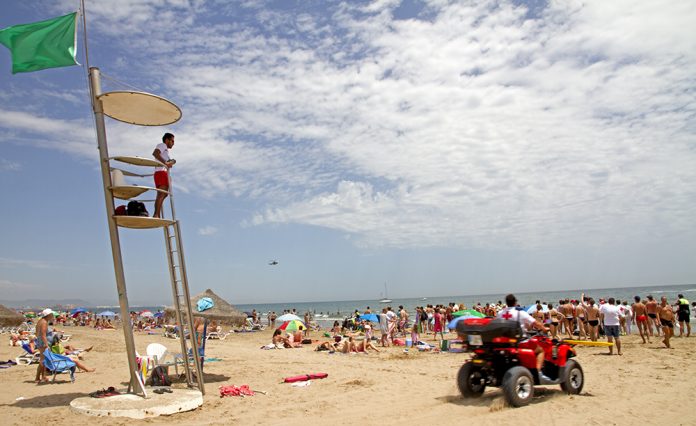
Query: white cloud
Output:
(9,166)
(24,263)
(477,127)
(207,230)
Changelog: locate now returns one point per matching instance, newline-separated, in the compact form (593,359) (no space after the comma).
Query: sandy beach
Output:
(389,387)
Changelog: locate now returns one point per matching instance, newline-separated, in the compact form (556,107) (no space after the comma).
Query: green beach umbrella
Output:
(469,312)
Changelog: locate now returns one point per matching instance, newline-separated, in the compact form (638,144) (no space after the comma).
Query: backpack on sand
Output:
(159,377)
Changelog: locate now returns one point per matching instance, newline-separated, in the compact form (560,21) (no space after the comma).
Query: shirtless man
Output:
(569,317)
(592,315)
(651,309)
(580,316)
(640,315)
(403,319)
(666,315)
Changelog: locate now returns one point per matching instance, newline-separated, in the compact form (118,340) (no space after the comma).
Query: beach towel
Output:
(204,303)
(232,390)
(268,346)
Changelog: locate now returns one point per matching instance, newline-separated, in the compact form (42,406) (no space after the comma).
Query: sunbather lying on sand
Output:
(287,341)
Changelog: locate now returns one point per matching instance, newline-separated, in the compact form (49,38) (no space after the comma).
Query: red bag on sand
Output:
(399,342)
(305,377)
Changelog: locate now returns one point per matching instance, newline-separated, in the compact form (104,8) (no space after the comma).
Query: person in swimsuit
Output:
(666,320)
(653,321)
(553,324)
(569,317)
(42,342)
(579,311)
(592,315)
(640,315)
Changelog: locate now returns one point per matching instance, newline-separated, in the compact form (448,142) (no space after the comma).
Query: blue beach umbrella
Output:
(369,317)
(77,311)
(107,314)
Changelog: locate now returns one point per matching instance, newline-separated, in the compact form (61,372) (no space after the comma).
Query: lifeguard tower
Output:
(144,109)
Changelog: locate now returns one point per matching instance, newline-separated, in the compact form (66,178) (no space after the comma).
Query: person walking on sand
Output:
(683,316)
(610,315)
(161,154)
(640,315)
(666,316)
(42,342)
(653,321)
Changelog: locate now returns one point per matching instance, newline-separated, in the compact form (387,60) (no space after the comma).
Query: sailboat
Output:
(386,298)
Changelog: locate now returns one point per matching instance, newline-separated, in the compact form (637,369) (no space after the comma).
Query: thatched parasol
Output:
(9,317)
(221,311)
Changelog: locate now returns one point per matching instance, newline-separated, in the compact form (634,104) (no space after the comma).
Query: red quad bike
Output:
(504,357)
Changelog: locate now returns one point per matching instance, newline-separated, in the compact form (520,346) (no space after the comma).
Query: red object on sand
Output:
(232,390)
(305,377)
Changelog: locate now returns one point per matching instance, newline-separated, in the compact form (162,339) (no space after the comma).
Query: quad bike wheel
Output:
(471,381)
(574,378)
(518,386)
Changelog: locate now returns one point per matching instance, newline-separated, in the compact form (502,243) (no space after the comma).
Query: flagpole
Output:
(84,29)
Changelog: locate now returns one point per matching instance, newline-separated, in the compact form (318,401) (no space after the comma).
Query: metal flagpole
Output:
(95,86)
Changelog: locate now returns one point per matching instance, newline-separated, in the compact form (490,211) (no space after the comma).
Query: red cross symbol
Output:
(507,315)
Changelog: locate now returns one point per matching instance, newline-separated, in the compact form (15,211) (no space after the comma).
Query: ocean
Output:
(329,311)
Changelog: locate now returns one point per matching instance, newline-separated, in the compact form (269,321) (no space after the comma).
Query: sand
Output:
(390,387)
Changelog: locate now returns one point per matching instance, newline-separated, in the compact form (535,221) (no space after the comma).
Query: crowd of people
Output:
(584,318)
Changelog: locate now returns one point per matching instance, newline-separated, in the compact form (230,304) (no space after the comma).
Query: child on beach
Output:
(414,333)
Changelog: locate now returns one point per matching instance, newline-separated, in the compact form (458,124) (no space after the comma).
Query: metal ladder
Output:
(182,305)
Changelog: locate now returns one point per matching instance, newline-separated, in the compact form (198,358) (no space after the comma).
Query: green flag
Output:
(41,45)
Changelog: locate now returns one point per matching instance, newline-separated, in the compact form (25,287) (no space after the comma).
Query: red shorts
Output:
(161,178)
(642,318)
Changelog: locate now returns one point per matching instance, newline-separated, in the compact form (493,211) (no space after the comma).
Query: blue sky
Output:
(445,148)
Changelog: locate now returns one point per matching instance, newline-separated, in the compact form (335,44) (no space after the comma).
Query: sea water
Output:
(329,311)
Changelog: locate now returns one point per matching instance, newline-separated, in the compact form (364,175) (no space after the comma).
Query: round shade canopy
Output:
(139,108)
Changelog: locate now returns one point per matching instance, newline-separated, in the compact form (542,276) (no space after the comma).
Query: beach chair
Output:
(56,364)
(28,357)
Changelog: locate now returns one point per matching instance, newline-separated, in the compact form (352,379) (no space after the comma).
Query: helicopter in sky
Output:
(272,262)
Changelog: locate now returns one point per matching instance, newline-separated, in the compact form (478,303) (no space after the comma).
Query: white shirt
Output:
(512,314)
(611,313)
(164,153)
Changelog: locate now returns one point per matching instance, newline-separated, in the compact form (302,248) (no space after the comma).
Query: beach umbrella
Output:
(77,311)
(107,314)
(159,314)
(9,317)
(453,324)
(30,315)
(533,308)
(146,314)
(369,317)
(221,310)
(288,317)
(293,325)
(248,314)
(470,312)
